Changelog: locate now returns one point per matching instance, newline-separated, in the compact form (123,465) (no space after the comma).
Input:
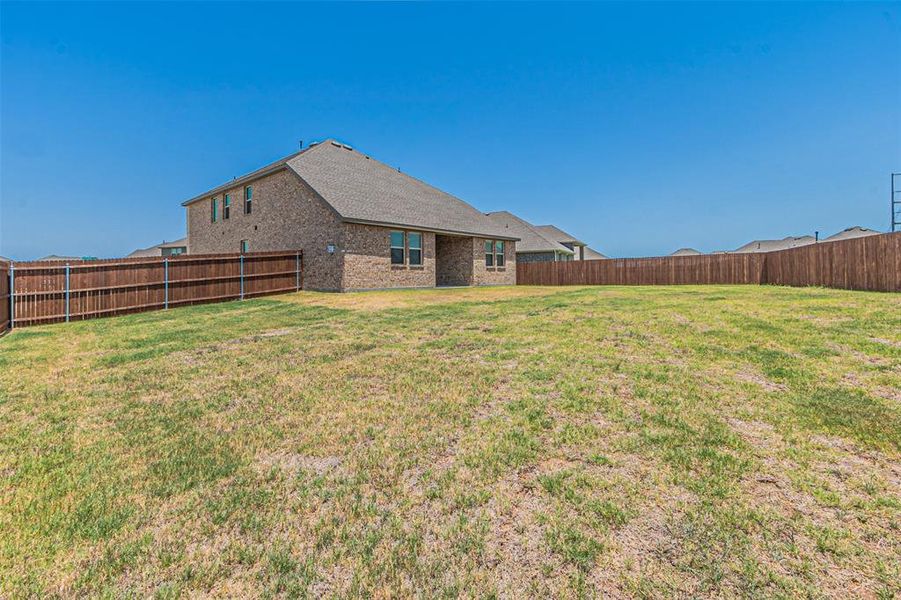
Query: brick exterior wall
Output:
(484,275)
(367,260)
(287,215)
(454,262)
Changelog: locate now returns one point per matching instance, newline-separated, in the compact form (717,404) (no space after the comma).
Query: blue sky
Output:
(638,128)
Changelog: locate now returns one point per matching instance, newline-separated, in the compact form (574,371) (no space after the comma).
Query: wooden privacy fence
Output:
(49,292)
(4,296)
(866,263)
(666,270)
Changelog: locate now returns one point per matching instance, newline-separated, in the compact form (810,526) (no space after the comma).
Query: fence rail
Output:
(4,297)
(50,292)
(866,263)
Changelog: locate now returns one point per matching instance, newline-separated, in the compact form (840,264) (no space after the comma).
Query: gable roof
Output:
(530,238)
(558,235)
(363,190)
(686,252)
(771,245)
(851,232)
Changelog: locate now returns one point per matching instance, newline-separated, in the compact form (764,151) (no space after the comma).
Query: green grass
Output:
(683,441)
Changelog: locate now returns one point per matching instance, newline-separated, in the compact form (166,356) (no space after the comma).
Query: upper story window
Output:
(214,210)
(248,200)
(414,244)
(489,253)
(499,253)
(397,247)
(226,206)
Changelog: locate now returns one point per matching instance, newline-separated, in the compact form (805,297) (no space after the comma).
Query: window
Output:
(489,253)
(414,241)
(248,200)
(244,246)
(499,251)
(226,206)
(397,247)
(214,210)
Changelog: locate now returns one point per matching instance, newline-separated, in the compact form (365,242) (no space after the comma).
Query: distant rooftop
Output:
(852,232)
(686,252)
(771,245)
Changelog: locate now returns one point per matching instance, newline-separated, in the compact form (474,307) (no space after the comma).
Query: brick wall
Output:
(454,262)
(367,260)
(484,275)
(287,215)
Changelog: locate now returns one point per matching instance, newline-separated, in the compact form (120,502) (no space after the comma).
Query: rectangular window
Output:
(414,242)
(244,246)
(489,253)
(248,200)
(499,251)
(397,247)
(214,210)
(226,206)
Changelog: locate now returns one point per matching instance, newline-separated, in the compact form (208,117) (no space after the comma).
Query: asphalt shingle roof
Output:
(771,245)
(686,252)
(530,238)
(558,235)
(362,189)
(592,254)
(851,232)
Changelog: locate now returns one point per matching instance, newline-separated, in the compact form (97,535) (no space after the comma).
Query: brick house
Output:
(360,224)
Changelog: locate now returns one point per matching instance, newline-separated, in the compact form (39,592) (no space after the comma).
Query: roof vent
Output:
(346,147)
(313,144)
(336,144)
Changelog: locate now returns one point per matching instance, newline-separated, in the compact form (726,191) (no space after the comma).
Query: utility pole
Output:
(896,202)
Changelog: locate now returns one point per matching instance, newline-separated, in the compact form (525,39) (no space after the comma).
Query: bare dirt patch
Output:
(761,381)
(289,461)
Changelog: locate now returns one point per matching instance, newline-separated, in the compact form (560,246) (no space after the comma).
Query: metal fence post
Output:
(166,283)
(297,271)
(67,292)
(242,277)
(12,295)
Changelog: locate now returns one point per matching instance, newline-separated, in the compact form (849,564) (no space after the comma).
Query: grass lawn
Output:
(692,441)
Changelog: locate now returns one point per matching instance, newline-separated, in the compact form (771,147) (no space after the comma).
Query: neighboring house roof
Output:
(557,234)
(50,257)
(157,250)
(592,254)
(771,245)
(531,239)
(851,232)
(363,190)
(686,252)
